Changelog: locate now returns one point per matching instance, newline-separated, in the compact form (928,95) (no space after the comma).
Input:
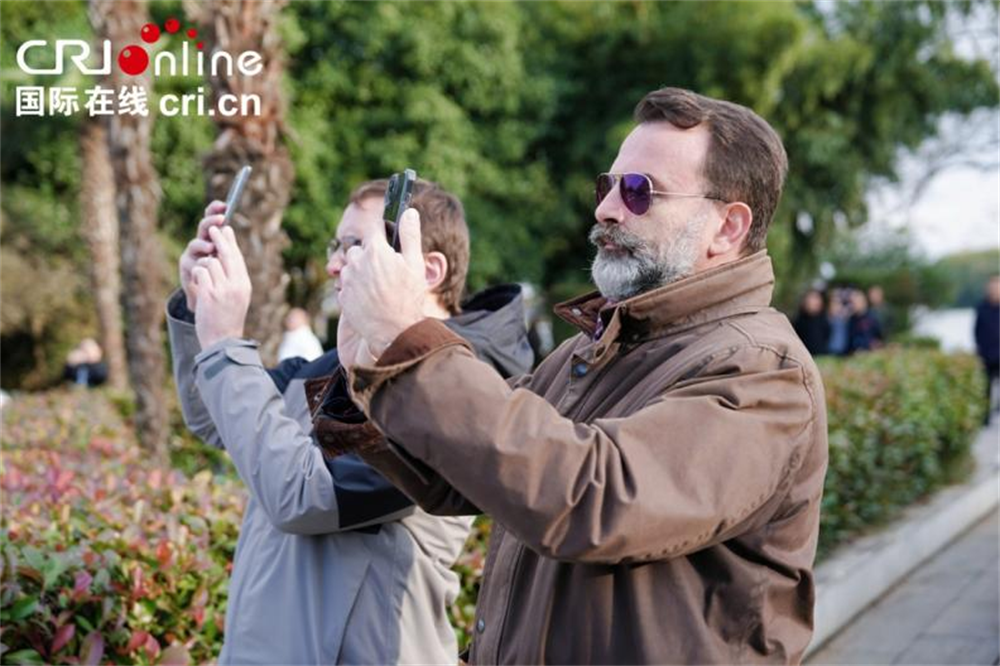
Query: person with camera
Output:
(655,483)
(333,563)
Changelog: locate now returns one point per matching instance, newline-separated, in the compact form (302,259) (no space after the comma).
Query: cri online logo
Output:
(134,59)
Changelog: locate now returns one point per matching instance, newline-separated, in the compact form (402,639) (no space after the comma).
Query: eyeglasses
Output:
(343,245)
(636,191)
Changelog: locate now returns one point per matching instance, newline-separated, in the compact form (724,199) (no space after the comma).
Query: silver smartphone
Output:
(236,192)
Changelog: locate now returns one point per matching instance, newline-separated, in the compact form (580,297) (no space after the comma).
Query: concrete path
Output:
(946,612)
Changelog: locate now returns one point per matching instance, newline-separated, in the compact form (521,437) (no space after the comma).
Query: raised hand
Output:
(222,289)
(382,291)
(200,246)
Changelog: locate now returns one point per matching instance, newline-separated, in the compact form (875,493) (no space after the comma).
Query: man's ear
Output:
(733,232)
(435,269)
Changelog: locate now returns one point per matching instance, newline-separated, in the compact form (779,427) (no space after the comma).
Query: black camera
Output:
(397,200)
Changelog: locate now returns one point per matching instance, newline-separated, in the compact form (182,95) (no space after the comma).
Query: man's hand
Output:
(382,291)
(201,246)
(222,290)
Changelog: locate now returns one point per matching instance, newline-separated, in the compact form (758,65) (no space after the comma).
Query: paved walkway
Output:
(946,612)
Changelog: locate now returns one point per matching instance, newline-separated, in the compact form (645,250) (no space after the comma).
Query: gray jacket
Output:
(333,563)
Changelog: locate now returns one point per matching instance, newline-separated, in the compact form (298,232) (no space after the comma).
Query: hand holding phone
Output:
(236,192)
(397,200)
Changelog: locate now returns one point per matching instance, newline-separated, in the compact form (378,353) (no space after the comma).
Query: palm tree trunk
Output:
(236,26)
(137,198)
(100,231)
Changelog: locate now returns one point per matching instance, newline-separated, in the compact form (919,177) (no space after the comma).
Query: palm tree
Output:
(137,197)
(100,231)
(236,26)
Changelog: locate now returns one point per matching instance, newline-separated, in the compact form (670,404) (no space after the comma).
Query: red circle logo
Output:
(150,33)
(172,25)
(133,60)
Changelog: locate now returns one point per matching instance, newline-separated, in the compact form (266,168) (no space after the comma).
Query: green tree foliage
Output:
(847,88)
(41,286)
(515,107)
(444,87)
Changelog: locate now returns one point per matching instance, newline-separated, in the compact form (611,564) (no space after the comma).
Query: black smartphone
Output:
(397,200)
(236,192)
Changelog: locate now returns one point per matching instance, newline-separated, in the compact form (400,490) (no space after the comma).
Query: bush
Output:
(105,557)
(913,341)
(470,569)
(901,424)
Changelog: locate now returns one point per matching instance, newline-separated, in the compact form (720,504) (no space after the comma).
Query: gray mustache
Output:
(616,235)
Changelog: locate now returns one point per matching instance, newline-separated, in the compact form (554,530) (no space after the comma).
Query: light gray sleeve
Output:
(275,457)
(184,346)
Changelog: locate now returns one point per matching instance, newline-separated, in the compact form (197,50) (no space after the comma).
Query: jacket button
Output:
(481,625)
(579,369)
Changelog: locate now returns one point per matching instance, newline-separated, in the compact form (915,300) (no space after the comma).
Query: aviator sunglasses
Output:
(636,190)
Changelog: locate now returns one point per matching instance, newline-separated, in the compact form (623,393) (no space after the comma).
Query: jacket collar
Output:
(739,287)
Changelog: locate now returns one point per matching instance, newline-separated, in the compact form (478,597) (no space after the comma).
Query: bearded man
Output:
(655,484)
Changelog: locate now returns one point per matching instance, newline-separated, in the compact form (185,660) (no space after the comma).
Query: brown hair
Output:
(442,227)
(746,160)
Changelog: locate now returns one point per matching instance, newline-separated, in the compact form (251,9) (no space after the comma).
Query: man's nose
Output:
(335,265)
(611,210)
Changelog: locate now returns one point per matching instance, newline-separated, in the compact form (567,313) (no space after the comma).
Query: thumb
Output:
(410,240)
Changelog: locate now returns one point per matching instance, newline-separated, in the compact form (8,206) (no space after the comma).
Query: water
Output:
(953,327)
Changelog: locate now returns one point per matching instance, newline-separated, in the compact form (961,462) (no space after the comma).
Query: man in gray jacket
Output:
(333,563)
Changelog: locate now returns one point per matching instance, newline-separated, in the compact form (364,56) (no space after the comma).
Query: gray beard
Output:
(638,268)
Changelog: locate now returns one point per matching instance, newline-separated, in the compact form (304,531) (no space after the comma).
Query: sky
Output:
(960,208)
(959,211)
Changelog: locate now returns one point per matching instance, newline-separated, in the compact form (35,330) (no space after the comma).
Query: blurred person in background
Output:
(299,340)
(839,318)
(334,564)
(988,338)
(812,324)
(864,329)
(878,308)
(84,365)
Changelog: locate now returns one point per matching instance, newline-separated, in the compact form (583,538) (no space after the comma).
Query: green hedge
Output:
(901,423)
(107,558)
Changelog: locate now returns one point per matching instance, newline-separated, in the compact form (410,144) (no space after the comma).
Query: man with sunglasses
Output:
(655,484)
(334,564)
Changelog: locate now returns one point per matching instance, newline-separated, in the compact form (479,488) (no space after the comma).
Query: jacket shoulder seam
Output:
(797,455)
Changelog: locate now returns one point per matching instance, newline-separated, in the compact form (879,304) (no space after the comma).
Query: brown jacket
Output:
(655,492)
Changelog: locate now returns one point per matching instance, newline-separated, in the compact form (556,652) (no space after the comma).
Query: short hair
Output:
(443,229)
(746,160)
